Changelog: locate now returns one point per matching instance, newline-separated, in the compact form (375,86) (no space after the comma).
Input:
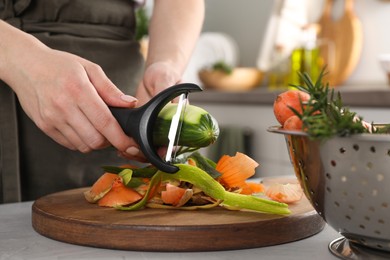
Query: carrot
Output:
(154,186)
(119,195)
(176,196)
(256,187)
(143,187)
(100,187)
(287,99)
(235,170)
(293,123)
(172,194)
(191,161)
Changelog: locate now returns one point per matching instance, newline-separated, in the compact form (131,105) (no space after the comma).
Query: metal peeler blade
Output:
(175,128)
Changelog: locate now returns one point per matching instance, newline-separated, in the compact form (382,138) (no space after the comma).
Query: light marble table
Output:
(18,240)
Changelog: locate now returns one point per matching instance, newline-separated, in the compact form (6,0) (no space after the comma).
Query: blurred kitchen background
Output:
(246,22)
(261,37)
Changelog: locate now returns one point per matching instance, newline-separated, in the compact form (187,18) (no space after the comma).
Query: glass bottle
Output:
(307,57)
(279,75)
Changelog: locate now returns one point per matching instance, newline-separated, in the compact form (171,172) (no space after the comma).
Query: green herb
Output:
(381,128)
(324,114)
(222,66)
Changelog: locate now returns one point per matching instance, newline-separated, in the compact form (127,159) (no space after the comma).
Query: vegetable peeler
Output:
(139,123)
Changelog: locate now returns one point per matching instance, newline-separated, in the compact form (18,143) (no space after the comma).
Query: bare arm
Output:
(174,28)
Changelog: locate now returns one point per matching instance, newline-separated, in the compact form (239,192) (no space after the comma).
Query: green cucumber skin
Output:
(199,128)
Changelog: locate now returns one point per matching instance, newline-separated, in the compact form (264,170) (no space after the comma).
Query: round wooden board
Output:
(66,216)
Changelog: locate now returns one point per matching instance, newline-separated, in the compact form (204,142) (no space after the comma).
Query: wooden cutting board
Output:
(66,216)
(342,41)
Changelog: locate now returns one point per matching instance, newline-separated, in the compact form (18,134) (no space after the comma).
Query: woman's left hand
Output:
(158,76)
(171,42)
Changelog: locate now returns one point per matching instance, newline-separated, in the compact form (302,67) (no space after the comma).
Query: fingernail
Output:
(129,98)
(132,151)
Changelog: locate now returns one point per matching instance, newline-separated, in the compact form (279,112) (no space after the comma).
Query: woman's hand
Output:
(157,77)
(66,96)
(173,32)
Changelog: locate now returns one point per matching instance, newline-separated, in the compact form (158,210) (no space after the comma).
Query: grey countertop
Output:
(375,95)
(18,240)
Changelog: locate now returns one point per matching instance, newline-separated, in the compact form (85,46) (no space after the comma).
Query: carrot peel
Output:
(153,186)
(235,170)
(176,196)
(101,187)
(119,195)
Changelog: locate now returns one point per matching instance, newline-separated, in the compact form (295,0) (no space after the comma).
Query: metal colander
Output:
(347,180)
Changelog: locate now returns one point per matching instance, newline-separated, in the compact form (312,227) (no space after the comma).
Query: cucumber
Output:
(199,128)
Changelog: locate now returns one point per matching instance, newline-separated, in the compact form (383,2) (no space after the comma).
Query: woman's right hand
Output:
(65,95)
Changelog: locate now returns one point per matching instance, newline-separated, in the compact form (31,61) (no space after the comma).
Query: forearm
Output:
(174,29)
(16,47)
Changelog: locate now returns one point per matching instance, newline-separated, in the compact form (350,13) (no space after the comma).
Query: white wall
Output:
(375,18)
(246,21)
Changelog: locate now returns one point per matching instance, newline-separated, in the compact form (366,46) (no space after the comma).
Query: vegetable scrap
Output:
(286,193)
(101,187)
(199,184)
(236,170)
(119,195)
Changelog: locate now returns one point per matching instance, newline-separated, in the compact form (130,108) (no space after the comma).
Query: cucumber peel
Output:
(215,190)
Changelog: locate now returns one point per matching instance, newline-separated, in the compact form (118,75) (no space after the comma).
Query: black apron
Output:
(102,31)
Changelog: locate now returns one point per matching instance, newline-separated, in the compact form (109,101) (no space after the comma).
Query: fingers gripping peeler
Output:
(139,123)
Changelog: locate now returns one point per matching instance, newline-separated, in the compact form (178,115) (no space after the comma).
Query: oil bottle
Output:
(307,57)
(279,75)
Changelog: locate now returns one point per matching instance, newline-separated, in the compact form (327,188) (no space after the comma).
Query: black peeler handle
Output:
(139,122)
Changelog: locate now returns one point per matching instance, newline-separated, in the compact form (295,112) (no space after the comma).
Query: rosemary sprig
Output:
(324,114)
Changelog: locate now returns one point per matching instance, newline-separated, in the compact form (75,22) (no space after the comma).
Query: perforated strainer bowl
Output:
(347,180)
